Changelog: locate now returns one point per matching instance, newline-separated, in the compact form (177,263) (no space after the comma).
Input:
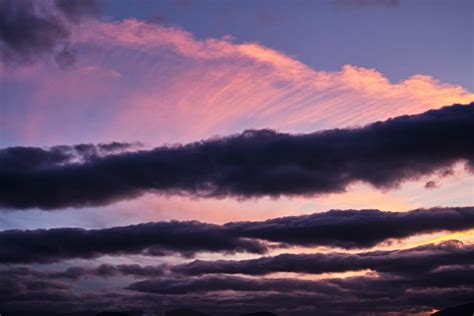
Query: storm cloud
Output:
(437,286)
(355,229)
(333,296)
(363,285)
(31,29)
(31,158)
(345,229)
(253,164)
(157,239)
(78,272)
(401,262)
(379,294)
(406,262)
(224,283)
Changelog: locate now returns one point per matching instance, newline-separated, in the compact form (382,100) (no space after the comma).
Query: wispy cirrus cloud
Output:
(140,81)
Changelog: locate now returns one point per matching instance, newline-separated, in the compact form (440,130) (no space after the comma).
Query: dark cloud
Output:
(408,262)
(431,185)
(101,271)
(254,164)
(401,262)
(16,287)
(346,229)
(434,183)
(149,239)
(464,309)
(229,283)
(28,291)
(65,58)
(32,158)
(377,294)
(107,270)
(76,10)
(228,295)
(30,29)
(354,229)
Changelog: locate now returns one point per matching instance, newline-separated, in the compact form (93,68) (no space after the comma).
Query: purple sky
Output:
(119,220)
(397,37)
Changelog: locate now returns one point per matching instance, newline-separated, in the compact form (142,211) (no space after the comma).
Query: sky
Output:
(236,156)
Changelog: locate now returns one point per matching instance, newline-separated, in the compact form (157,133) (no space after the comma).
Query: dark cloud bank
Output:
(380,294)
(447,277)
(406,262)
(252,164)
(407,281)
(401,262)
(150,239)
(345,229)
(78,272)
(30,29)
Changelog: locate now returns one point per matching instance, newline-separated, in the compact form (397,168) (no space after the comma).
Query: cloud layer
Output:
(380,294)
(251,164)
(401,262)
(345,229)
(436,276)
(158,239)
(354,229)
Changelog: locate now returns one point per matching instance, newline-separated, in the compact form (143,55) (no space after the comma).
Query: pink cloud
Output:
(135,81)
(148,82)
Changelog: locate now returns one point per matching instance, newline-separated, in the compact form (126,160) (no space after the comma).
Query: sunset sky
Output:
(300,157)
